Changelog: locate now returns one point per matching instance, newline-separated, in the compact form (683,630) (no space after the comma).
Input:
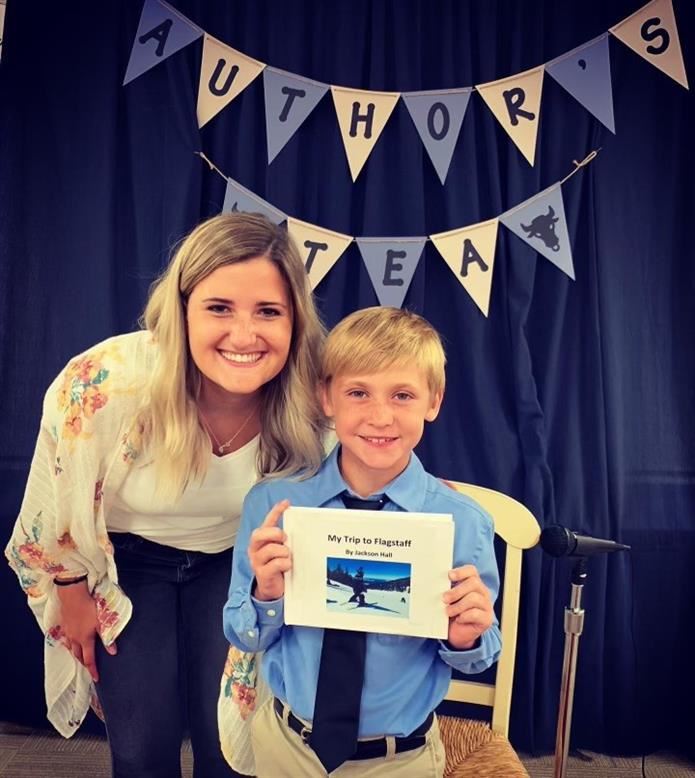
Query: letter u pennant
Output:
(224,74)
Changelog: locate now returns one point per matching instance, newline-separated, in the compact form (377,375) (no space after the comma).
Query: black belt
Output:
(366,749)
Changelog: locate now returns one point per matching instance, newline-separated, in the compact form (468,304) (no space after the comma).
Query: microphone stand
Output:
(574,623)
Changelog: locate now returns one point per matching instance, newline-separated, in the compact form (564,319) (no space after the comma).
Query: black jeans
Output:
(165,679)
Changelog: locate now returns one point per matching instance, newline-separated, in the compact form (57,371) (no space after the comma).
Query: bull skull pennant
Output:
(541,223)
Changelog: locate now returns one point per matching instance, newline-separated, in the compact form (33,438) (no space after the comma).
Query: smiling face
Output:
(379,419)
(239,327)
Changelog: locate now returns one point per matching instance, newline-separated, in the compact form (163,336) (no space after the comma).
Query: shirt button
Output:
(251,633)
(271,612)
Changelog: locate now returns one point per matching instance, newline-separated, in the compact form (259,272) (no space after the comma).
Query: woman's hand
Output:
(78,613)
(269,556)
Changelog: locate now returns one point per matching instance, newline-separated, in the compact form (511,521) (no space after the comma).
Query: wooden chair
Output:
(475,749)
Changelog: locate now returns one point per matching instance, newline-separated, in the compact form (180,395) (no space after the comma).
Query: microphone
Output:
(559,541)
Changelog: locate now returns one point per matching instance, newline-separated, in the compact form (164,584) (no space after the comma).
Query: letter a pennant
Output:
(470,253)
(162,32)
(224,74)
(361,116)
(319,248)
(653,34)
(541,222)
(391,264)
(516,104)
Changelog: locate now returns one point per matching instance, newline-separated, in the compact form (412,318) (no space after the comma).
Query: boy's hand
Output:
(469,607)
(269,556)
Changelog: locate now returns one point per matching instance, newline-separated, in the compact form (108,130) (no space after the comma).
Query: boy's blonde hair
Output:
(291,421)
(373,339)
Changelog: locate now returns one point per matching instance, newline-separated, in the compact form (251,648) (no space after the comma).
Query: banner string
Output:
(590,157)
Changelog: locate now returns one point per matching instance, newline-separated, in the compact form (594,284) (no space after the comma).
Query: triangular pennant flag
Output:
(541,223)
(224,74)
(653,34)
(438,117)
(391,263)
(289,100)
(361,116)
(319,248)
(470,253)
(516,104)
(238,198)
(162,32)
(585,72)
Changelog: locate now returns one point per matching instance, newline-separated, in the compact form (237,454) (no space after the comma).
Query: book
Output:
(369,571)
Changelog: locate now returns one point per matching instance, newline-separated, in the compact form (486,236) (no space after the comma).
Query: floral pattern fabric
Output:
(87,443)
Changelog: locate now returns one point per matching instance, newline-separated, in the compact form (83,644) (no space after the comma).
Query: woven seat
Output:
(475,749)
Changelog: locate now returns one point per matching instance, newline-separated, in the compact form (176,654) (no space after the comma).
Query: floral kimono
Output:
(87,443)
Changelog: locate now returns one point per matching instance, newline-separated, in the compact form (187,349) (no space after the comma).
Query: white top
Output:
(205,518)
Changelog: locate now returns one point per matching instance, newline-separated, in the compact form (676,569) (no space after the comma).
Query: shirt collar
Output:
(406,490)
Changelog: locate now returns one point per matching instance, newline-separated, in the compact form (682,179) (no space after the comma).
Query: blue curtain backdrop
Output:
(574,397)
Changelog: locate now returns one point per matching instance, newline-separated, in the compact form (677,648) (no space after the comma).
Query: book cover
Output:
(370,571)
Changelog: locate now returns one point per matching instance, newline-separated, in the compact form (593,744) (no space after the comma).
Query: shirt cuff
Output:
(476,659)
(269,613)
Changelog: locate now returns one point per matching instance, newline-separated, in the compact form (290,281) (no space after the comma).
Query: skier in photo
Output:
(358,588)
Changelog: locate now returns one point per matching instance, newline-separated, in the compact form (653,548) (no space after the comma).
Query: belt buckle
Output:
(305,734)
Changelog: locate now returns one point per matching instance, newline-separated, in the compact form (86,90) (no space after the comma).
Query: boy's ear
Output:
(436,404)
(325,399)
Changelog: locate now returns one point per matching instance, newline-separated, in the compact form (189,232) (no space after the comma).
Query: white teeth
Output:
(379,440)
(230,356)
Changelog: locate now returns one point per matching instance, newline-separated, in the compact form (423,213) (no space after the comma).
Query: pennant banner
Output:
(238,198)
(162,32)
(438,117)
(361,116)
(391,264)
(224,74)
(541,223)
(585,73)
(320,248)
(288,102)
(653,34)
(470,253)
(516,104)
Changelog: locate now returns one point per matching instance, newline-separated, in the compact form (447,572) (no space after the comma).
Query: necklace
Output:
(227,444)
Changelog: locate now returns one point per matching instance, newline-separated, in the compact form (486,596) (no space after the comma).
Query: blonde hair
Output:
(373,339)
(291,438)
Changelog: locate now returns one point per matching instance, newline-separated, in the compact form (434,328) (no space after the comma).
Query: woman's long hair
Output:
(292,426)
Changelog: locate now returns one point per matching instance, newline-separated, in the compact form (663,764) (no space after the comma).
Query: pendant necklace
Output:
(227,444)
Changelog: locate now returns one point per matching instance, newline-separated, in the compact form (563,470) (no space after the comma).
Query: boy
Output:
(382,378)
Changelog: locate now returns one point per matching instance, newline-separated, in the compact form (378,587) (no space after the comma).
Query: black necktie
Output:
(339,689)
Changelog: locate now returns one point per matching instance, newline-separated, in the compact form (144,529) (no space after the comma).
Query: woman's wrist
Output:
(70,581)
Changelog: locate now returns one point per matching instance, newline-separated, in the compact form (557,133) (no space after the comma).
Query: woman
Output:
(148,445)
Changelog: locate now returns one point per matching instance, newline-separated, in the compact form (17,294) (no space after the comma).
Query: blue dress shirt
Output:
(405,677)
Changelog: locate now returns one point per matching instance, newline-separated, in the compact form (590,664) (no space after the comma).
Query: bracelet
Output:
(69,581)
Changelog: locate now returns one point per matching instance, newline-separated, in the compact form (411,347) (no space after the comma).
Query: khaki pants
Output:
(280,753)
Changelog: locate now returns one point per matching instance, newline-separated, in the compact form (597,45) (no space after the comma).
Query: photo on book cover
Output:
(376,588)
(369,571)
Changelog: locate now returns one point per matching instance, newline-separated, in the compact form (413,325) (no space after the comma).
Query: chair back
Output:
(518,528)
